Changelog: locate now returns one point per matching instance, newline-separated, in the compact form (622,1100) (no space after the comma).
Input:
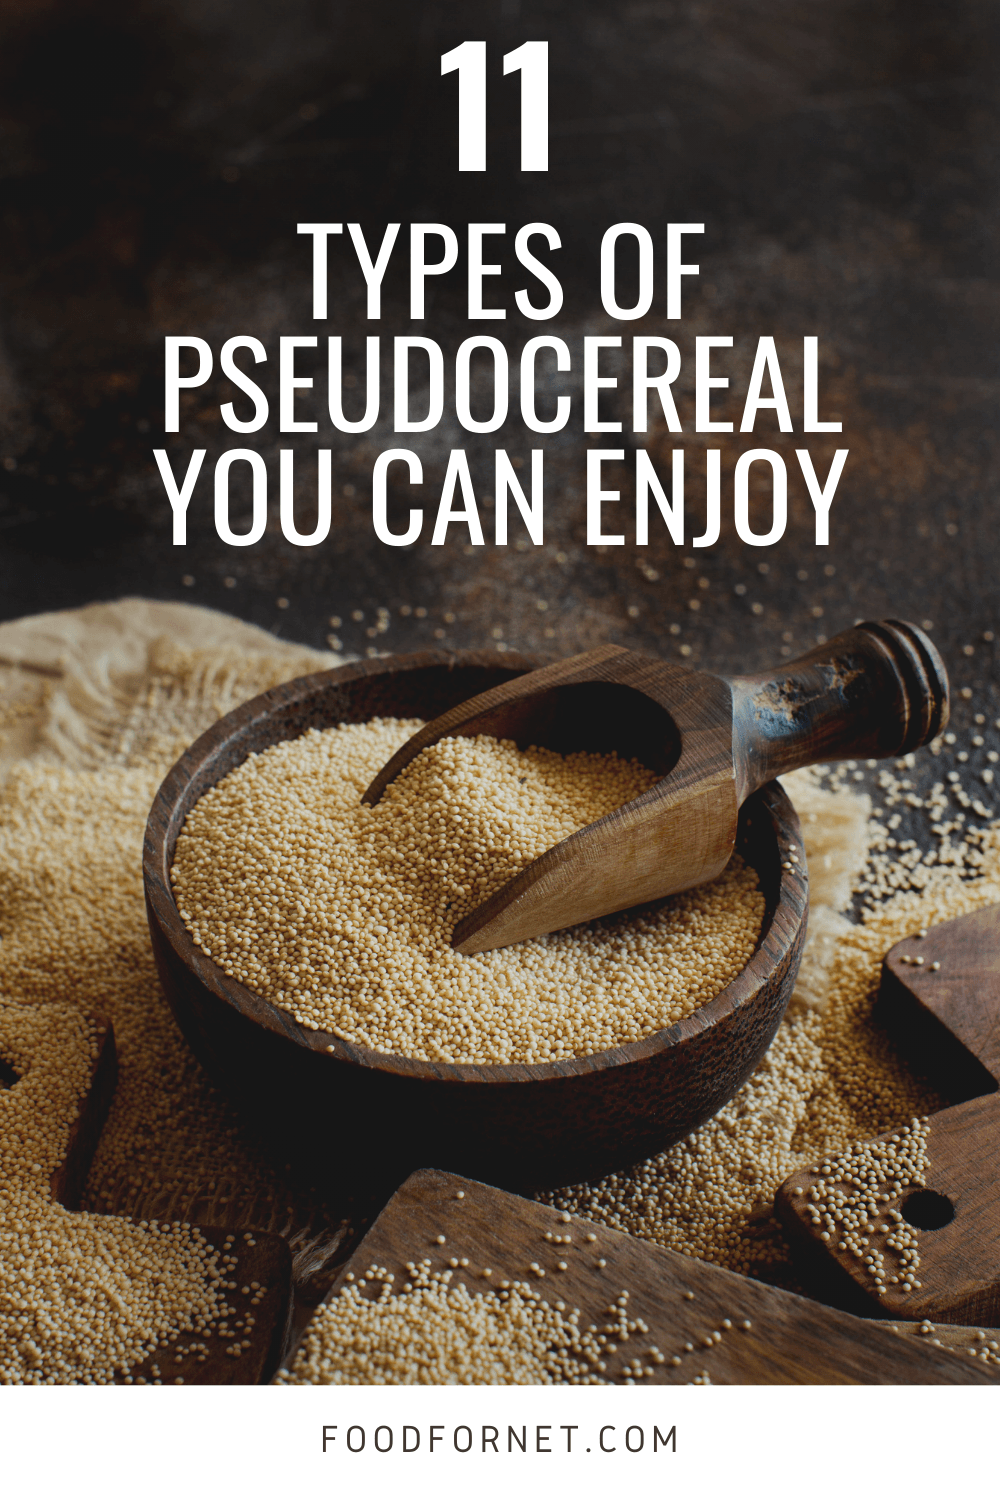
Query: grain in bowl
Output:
(341,914)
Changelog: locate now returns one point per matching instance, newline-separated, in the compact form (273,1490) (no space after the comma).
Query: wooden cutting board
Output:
(259,1288)
(685,1303)
(266,1261)
(940,996)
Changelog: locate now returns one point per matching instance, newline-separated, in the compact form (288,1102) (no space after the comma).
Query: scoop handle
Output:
(877,690)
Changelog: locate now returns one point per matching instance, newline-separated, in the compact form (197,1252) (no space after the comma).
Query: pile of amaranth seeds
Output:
(342,913)
(83,1297)
(93,1292)
(436,1329)
(433,1330)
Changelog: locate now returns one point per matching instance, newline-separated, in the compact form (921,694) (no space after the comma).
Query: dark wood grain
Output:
(683,1301)
(516,1124)
(948,1020)
(968,1340)
(879,689)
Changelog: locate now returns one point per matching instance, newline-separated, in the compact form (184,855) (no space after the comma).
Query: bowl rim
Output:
(782,921)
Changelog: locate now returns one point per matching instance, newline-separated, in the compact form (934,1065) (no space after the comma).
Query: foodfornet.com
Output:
(505,1438)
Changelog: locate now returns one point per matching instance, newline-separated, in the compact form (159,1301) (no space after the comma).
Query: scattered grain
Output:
(438,1332)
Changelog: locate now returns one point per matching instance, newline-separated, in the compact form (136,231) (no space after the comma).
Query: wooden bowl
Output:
(329,1103)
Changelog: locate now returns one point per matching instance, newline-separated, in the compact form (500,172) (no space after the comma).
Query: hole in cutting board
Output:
(926,1209)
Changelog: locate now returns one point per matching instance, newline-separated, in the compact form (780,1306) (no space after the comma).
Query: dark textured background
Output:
(843,157)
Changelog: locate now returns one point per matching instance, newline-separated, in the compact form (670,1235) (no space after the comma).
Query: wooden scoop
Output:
(940,996)
(877,690)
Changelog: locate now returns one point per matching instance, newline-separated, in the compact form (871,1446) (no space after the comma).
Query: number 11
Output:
(531,60)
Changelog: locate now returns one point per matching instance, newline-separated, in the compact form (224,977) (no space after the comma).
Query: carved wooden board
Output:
(684,1302)
(948,1017)
(238,1352)
(267,1262)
